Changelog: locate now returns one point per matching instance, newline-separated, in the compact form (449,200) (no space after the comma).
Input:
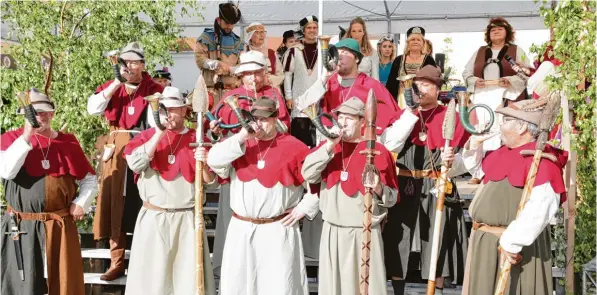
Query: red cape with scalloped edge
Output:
(434,122)
(283,161)
(65,155)
(509,163)
(384,163)
(185,158)
(116,112)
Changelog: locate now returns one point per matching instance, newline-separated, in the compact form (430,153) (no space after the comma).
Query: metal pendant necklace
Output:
(45,163)
(171,156)
(423,133)
(261,161)
(344,172)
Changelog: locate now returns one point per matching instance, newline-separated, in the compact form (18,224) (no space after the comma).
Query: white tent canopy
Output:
(434,16)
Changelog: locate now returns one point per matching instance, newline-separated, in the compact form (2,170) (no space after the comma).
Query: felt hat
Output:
(132,51)
(352,106)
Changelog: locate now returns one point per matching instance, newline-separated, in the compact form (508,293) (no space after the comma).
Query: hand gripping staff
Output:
(444,187)
(200,102)
(548,117)
(370,173)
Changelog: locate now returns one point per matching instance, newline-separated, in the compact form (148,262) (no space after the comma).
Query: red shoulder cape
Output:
(386,105)
(185,159)
(65,155)
(384,163)
(116,111)
(434,122)
(508,163)
(283,161)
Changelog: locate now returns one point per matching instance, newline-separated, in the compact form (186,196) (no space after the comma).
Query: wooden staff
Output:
(199,102)
(443,187)
(548,117)
(369,174)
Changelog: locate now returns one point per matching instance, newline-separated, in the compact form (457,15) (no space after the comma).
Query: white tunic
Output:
(163,250)
(267,258)
(297,79)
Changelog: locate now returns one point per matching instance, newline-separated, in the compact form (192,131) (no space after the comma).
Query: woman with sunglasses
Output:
(386,50)
(410,62)
(369,63)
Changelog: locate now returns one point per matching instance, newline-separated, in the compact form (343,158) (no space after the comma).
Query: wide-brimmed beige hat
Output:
(41,103)
(352,106)
(132,51)
(528,110)
(251,61)
(172,98)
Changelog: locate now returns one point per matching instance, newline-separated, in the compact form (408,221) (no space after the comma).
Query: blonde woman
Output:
(386,50)
(370,62)
(410,62)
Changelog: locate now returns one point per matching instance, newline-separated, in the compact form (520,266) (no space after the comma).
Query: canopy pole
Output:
(320,33)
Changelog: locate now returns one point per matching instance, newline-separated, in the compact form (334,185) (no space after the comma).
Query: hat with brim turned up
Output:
(132,51)
(431,73)
(352,106)
(172,98)
(264,108)
(351,45)
(41,103)
(528,110)
(251,61)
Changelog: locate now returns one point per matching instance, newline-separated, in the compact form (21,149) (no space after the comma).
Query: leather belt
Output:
(42,216)
(433,174)
(168,210)
(493,229)
(259,220)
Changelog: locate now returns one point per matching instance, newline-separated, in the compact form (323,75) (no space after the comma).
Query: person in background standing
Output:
(163,77)
(369,64)
(386,50)
(410,62)
(256,35)
(288,41)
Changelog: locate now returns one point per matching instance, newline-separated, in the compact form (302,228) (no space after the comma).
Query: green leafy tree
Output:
(447,50)
(76,34)
(574,43)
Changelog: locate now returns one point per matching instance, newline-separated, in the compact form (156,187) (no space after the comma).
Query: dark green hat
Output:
(352,45)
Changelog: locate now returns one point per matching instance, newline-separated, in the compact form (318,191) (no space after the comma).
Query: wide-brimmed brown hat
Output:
(264,108)
(431,73)
(352,106)
(528,110)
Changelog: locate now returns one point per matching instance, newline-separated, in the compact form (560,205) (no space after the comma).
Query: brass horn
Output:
(232,102)
(407,90)
(116,62)
(464,111)
(329,53)
(154,102)
(28,108)
(313,114)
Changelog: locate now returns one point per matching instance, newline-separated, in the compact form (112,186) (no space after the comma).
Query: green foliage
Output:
(77,33)
(574,43)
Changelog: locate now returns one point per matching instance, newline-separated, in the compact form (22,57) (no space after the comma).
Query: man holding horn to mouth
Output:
(127,113)
(163,246)
(417,138)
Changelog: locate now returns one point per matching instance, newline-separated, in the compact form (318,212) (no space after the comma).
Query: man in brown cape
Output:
(41,171)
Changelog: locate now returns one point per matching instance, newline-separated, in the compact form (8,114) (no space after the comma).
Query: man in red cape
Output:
(41,170)
(165,165)
(252,70)
(127,113)
(263,253)
(337,166)
(524,239)
(417,138)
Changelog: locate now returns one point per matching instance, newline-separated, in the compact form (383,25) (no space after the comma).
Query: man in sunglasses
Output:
(127,113)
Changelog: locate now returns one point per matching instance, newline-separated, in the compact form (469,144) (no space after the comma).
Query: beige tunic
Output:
(163,250)
(341,237)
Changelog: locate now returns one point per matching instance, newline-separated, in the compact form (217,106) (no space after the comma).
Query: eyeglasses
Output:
(261,32)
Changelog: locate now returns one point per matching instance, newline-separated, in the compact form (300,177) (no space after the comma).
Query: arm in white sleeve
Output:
(288,85)
(471,159)
(87,191)
(375,67)
(140,158)
(518,84)
(211,64)
(97,103)
(469,73)
(394,137)
(312,95)
(534,217)
(278,77)
(221,155)
(389,197)
(309,204)
(314,164)
(13,158)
